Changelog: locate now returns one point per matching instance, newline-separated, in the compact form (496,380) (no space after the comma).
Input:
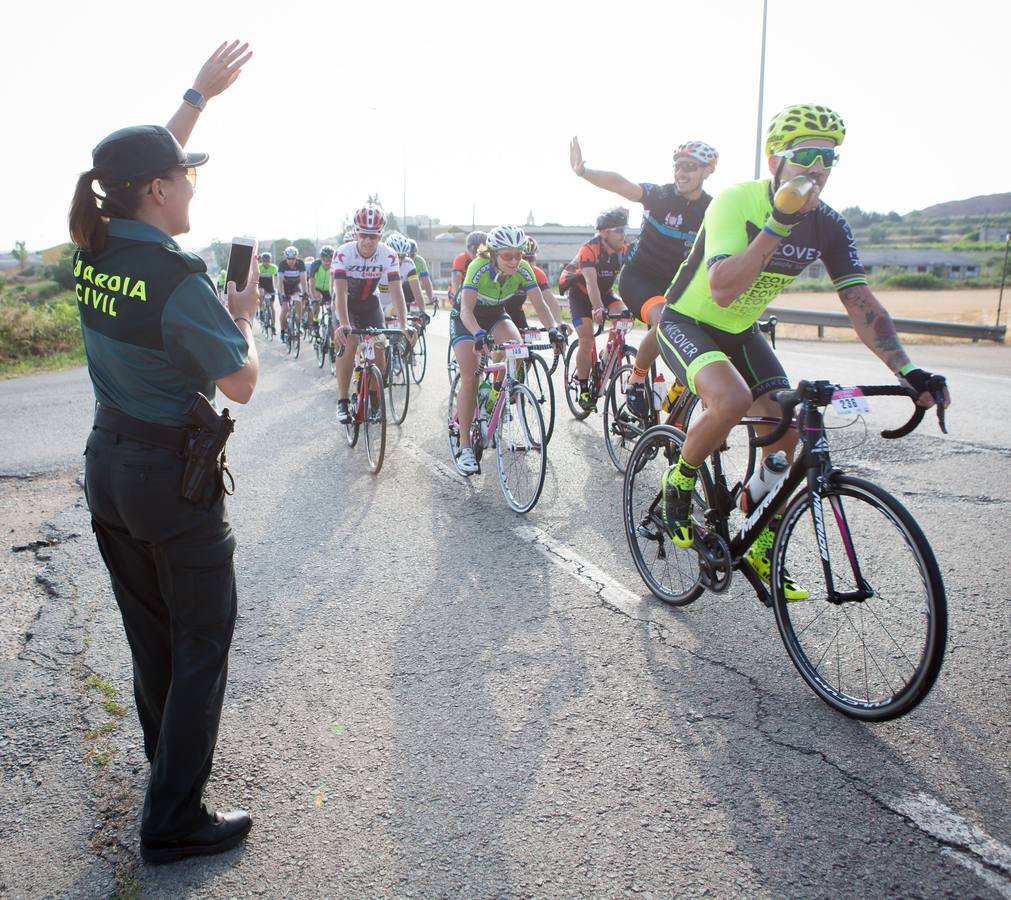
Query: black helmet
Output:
(613,218)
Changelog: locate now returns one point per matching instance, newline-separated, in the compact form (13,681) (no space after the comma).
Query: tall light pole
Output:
(761,95)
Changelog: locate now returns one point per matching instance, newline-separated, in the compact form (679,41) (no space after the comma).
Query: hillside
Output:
(973,206)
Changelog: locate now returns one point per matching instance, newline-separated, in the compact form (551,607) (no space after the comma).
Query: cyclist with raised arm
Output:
(357,269)
(291,275)
(319,280)
(671,220)
(479,317)
(424,275)
(267,283)
(749,250)
(589,282)
(475,241)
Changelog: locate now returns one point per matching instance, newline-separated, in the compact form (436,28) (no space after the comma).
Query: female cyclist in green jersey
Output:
(479,316)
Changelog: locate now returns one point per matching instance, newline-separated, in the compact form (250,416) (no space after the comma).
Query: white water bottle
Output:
(659,392)
(762,481)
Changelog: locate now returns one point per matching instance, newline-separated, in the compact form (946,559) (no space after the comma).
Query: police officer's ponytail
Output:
(87,228)
(88,221)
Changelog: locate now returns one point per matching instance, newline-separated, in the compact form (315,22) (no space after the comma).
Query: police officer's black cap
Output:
(138,151)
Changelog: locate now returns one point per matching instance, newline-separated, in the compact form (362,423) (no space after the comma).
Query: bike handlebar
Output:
(820,393)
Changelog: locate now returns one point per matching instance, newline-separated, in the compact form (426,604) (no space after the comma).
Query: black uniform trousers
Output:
(170,562)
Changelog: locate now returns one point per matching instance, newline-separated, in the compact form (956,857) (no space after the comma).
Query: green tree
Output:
(305,247)
(62,271)
(220,251)
(20,254)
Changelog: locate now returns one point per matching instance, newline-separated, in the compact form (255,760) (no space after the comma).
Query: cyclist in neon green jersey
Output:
(479,316)
(318,280)
(424,275)
(267,283)
(747,251)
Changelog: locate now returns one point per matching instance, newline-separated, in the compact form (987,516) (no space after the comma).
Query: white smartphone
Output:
(239,259)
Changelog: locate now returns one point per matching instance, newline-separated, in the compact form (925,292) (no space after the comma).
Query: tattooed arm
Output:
(873,325)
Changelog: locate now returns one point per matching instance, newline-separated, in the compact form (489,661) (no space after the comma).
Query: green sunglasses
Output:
(805,157)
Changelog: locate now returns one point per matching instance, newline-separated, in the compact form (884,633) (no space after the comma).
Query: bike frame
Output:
(509,379)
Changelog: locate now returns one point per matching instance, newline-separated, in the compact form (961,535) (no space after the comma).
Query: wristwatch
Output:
(195,98)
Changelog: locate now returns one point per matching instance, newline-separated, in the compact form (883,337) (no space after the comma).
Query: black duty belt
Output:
(165,436)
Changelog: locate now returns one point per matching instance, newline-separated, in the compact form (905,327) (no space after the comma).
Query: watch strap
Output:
(194,98)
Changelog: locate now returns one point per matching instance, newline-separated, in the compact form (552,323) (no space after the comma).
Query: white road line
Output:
(427,459)
(602,584)
(937,820)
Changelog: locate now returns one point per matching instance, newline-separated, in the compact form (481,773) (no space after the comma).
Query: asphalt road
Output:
(430,696)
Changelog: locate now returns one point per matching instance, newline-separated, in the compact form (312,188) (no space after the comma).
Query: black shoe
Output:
(638,401)
(220,833)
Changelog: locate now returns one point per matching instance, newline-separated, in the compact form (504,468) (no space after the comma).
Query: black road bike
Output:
(870,639)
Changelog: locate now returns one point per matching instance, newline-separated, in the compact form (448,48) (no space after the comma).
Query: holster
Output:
(206,466)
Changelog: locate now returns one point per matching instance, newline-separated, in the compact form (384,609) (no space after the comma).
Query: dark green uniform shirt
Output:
(154,330)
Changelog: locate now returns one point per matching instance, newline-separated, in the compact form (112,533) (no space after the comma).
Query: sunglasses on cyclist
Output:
(510,255)
(687,165)
(805,157)
(367,237)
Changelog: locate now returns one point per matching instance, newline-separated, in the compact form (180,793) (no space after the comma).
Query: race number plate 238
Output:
(850,402)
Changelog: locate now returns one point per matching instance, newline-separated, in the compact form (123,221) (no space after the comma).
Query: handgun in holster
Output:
(206,467)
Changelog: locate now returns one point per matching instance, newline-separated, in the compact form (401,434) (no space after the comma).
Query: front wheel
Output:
(373,398)
(621,428)
(572,383)
(670,572)
(870,639)
(521,449)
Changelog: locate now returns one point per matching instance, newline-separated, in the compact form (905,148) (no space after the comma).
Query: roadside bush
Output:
(916,281)
(38,330)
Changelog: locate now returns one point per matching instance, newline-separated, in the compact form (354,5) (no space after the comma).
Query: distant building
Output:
(556,246)
(994,233)
(942,263)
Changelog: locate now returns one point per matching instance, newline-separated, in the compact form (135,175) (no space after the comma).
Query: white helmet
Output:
(291,252)
(506,237)
(398,243)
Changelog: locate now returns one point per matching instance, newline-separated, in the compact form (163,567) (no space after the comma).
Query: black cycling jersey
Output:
(668,231)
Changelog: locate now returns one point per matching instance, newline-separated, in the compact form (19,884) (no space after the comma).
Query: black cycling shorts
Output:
(487,317)
(640,292)
(367,313)
(688,345)
(514,306)
(580,307)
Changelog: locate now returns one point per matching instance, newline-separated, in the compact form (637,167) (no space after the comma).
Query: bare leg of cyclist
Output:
(284,317)
(649,350)
(584,352)
(466,397)
(345,364)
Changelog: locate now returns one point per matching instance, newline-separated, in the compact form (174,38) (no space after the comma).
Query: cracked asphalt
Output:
(421,703)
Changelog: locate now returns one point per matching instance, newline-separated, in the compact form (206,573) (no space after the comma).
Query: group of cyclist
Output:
(699,276)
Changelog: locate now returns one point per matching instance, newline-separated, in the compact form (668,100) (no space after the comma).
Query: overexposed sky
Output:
(472,105)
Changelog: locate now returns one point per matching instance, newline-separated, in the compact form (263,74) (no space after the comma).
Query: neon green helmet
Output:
(801,123)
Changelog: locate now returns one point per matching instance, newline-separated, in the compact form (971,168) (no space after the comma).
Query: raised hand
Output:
(221,69)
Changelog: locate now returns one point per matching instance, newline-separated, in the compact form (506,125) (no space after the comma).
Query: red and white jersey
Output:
(363,274)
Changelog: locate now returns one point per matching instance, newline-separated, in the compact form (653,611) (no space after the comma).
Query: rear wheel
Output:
(374,418)
(537,377)
(398,380)
(419,358)
(670,572)
(452,366)
(871,642)
(520,449)
(572,383)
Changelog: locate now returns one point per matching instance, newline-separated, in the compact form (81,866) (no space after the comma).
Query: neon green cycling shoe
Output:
(676,507)
(758,558)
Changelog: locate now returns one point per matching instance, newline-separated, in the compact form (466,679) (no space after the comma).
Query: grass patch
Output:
(102,730)
(127,885)
(95,682)
(100,757)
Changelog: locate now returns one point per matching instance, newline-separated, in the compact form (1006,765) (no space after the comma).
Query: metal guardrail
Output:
(823,320)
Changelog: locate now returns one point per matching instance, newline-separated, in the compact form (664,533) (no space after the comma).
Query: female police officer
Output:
(155,334)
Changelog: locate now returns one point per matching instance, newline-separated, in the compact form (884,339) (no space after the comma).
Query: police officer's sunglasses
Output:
(805,157)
